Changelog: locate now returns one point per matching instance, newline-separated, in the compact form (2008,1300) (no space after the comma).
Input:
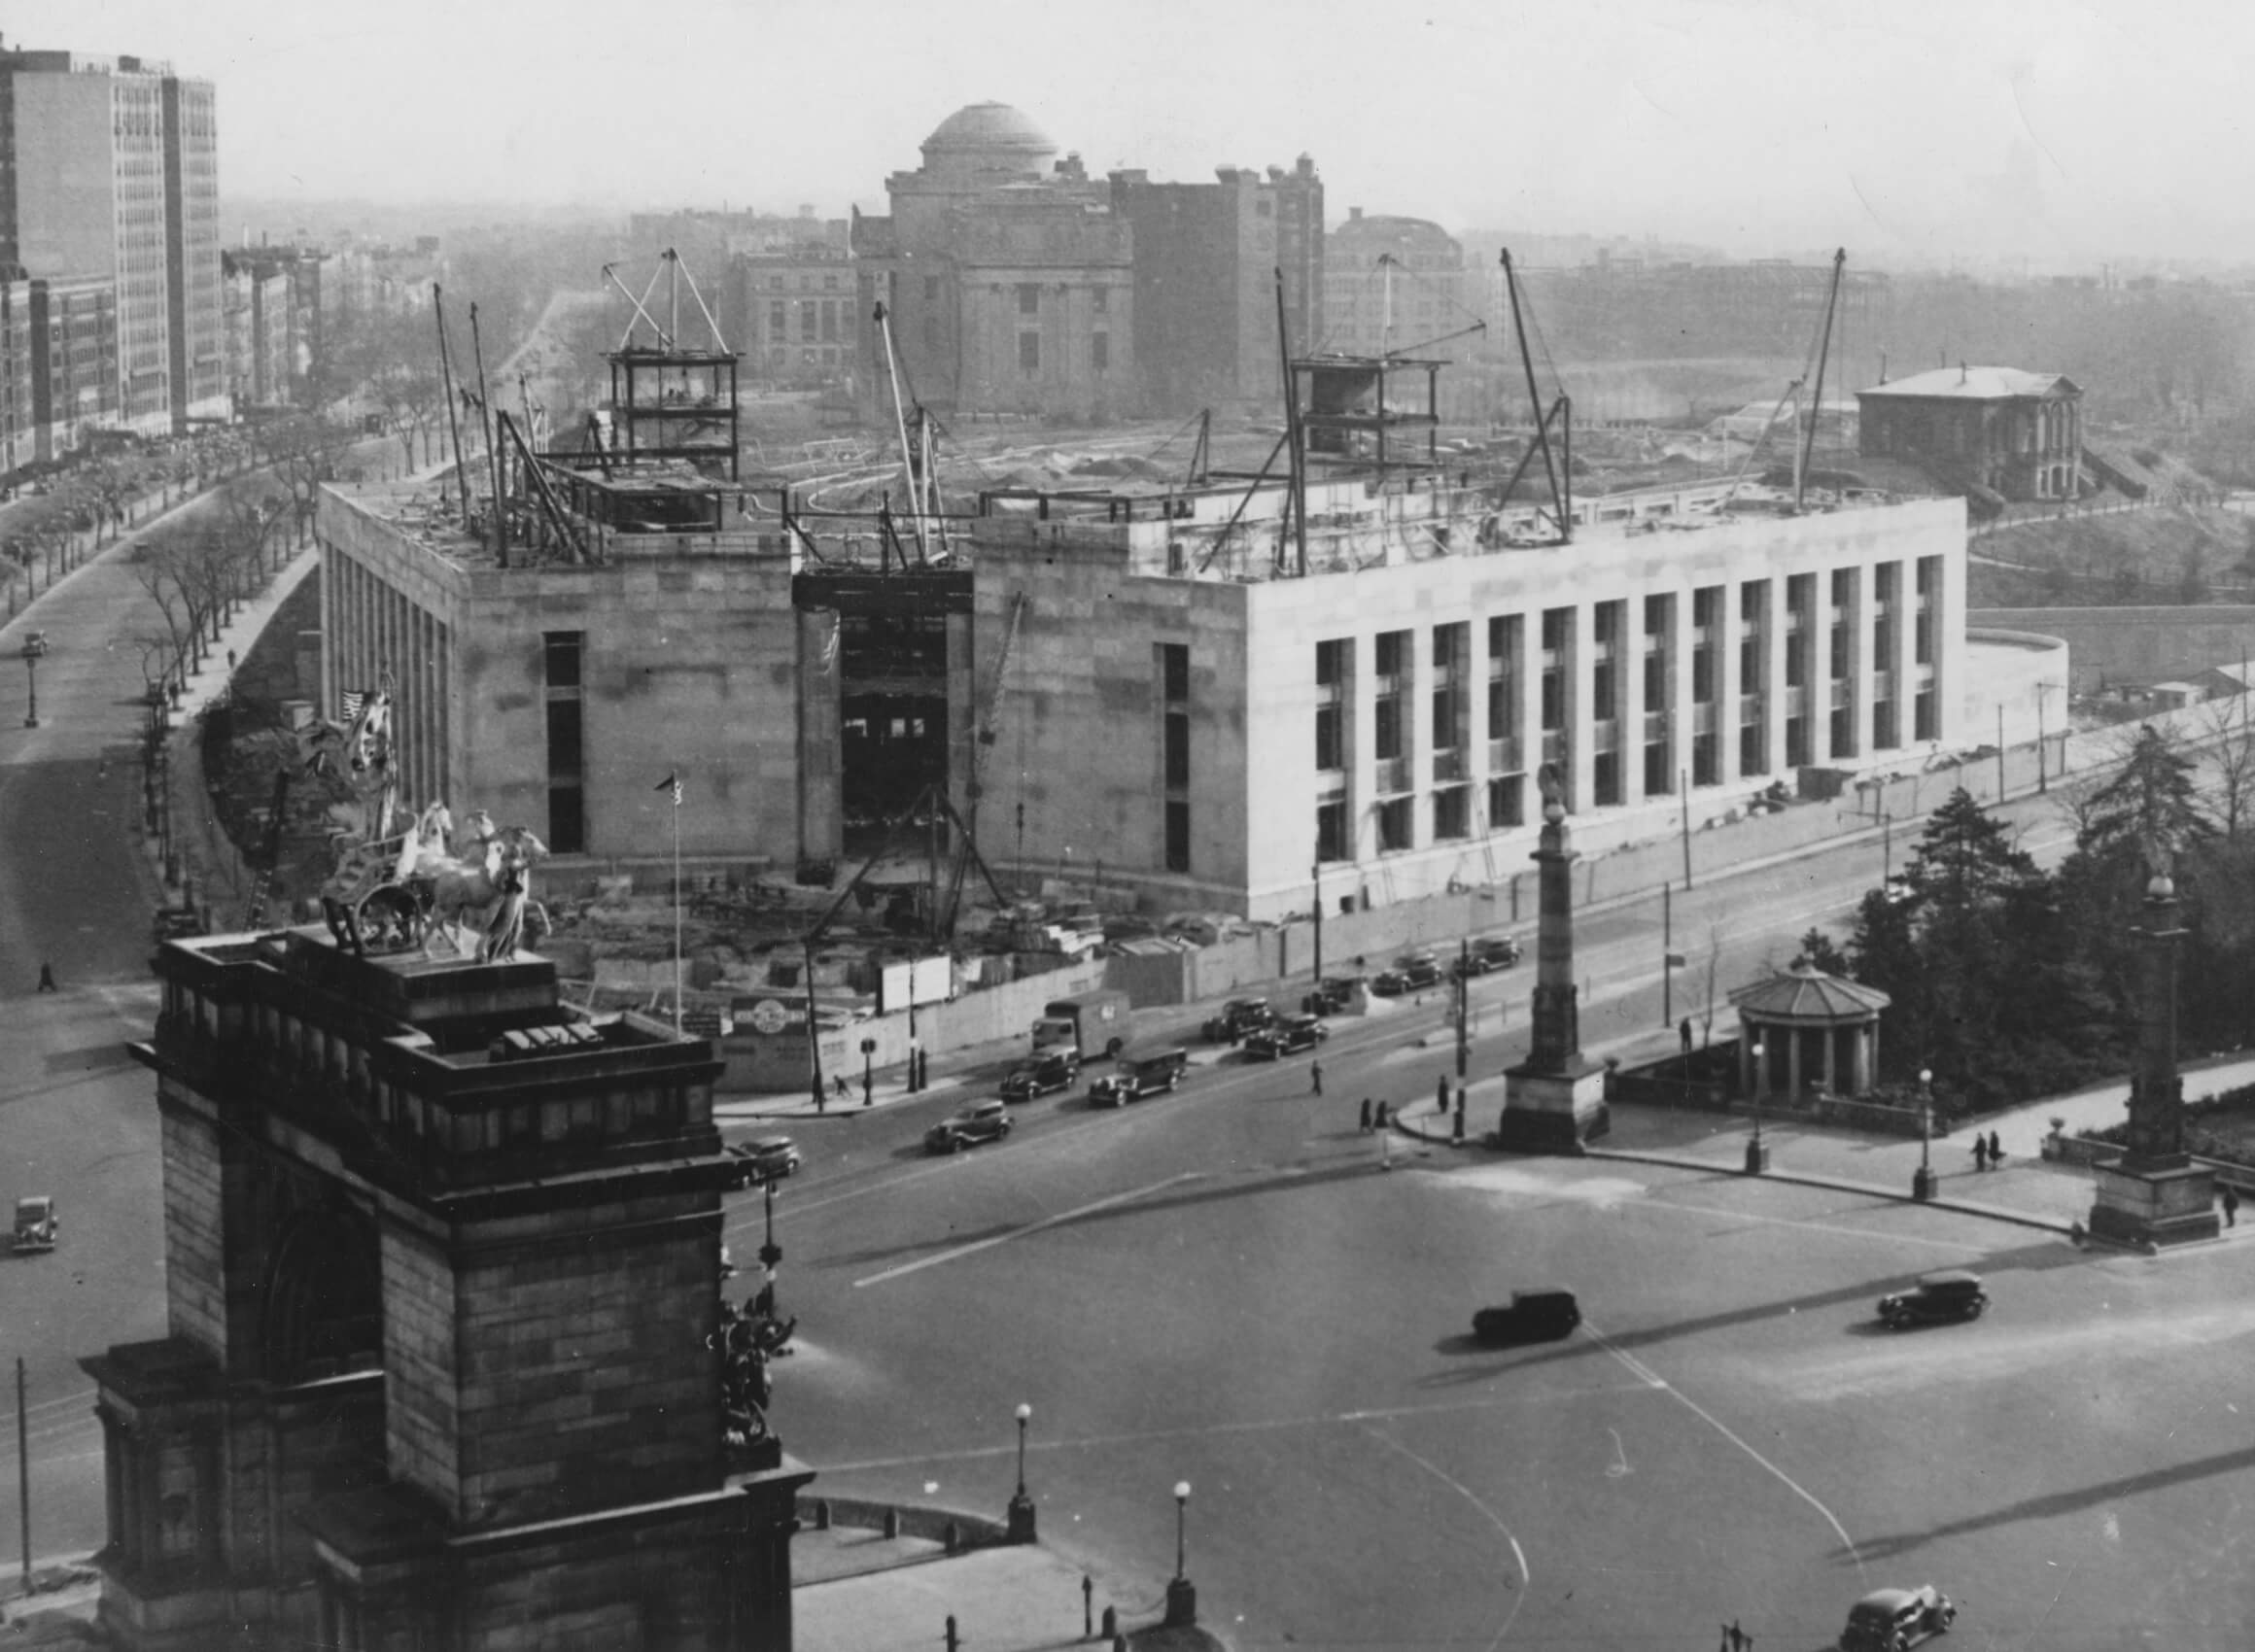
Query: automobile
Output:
(1412,971)
(1497,953)
(767,1159)
(1897,889)
(1331,996)
(176,923)
(1053,1070)
(1953,1293)
(35,1225)
(1238,1017)
(1888,1620)
(1146,1073)
(967,1126)
(1541,1314)
(1286,1035)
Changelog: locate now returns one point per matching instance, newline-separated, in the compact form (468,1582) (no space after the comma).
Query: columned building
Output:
(1999,433)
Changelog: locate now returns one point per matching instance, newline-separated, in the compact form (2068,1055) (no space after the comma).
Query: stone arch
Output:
(324,1299)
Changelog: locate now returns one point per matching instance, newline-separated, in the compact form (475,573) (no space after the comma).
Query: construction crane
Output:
(919,459)
(983,741)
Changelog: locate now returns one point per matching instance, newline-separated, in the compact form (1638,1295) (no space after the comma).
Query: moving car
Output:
(967,1126)
(1138,1076)
(1059,1070)
(1888,1620)
(1541,1315)
(1412,971)
(35,1225)
(1286,1035)
(1953,1293)
(1238,1017)
(766,1159)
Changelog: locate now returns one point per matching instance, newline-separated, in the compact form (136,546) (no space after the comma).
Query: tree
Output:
(1820,953)
(2231,741)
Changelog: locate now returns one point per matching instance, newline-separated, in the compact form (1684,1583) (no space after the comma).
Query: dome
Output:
(988,138)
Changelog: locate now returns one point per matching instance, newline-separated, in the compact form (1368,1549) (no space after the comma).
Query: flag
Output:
(354,698)
(671,782)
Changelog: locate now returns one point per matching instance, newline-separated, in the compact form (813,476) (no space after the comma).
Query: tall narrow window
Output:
(567,738)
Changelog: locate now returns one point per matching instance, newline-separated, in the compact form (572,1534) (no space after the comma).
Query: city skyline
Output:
(1934,134)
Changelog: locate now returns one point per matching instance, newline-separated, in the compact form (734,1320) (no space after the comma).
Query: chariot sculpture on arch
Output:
(400,879)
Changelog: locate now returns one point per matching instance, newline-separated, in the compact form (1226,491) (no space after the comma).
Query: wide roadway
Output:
(1223,1287)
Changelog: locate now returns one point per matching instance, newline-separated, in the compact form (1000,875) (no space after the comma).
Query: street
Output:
(1223,1287)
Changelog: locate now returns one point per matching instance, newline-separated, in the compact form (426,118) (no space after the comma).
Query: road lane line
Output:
(1955,1245)
(976,1245)
(1207,1430)
(1712,1422)
(1519,1599)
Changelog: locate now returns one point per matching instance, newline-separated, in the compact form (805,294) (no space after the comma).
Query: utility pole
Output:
(1463,1008)
(1315,883)
(23,1472)
(1684,784)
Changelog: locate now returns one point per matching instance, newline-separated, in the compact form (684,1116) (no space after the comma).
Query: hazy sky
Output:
(2061,131)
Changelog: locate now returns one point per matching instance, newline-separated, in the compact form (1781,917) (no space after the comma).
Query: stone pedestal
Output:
(1552,1112)
(2158,1202)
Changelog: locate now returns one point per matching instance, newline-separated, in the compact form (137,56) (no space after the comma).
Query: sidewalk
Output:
(856,1591)
(2026,1190)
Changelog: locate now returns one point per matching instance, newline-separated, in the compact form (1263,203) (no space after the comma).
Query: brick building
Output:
(1998,432)
(441,1367)
(74,362)
(799,308)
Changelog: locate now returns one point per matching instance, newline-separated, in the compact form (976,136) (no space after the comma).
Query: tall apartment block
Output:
(108,171)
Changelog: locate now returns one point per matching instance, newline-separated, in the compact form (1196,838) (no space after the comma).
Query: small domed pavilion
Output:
(1818,1033)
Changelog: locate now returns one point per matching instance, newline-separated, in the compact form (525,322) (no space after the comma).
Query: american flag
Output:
(671,782)
(354,698)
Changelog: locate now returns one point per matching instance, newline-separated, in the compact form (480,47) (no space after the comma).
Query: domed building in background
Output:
(1017,284)
(984,144)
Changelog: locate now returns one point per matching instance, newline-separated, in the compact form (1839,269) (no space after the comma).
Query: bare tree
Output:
(1711,981)
(2231,746)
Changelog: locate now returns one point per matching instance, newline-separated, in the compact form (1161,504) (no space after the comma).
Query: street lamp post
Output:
(770,1254)
(1181,1594)
(34,646)
(1758,1154)
(1922,1183)
(1021,1505)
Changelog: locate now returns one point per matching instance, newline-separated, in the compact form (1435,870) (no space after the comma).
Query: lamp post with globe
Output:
(1757,1155)
(1020,1529)
(1923,1183)
(1181,1593)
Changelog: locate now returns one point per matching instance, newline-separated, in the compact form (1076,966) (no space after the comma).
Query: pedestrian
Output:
(1737,1641)
(1315,1077)
(1441,1095)
(2231,1206)
(1684,1034)
(47,978)
(1980,1150)
(1378,1119)
(1995,1150)
(840,1080)
(1365,1122)
(230,658)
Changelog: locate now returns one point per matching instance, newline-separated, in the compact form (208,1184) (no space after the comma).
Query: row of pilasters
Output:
(371,628)
(1760,700)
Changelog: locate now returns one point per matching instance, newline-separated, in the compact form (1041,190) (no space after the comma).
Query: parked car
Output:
(1496,953)
(1286,1035)
(766,1159)
(1890,1620)
(1238,1017)
(35,1225)
(1333,995)
(1055,1070)
(1148,1072)
(967,1126)
(1541,1315)
(1412,971)
(1936,1298)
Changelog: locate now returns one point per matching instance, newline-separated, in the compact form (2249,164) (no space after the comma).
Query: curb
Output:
(1838,1185)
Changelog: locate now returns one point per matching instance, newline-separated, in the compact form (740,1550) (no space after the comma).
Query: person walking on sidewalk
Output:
(1441,1096)
(1315,1077)
(1363,1123)
(2231,1206)
(1996,1150)
(1980,1150)
(47,978)
(1379,1119)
